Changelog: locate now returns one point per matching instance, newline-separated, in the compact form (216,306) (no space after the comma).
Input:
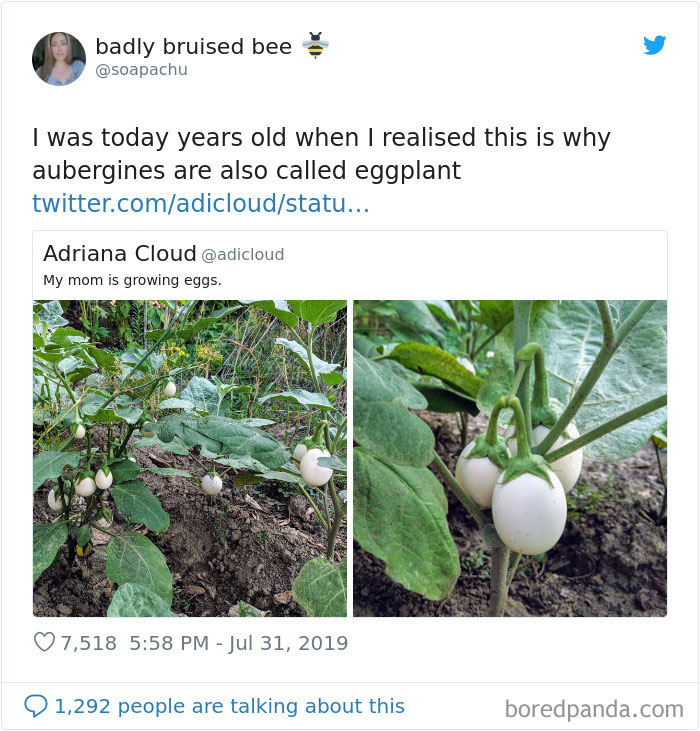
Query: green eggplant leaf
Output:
(121,409)
(333,463)
(400,517)
(134,600)
(50,466)
(202,394)
(48,539)
(495,314)
(83,535)
(224,437)
(321,588)
(133,559)
(304,398)
(124,470)
(136,501)
(277,308)
(299,351)
(413,320)
(317,311)
(333,379)
(442,309)
(382,420)
(430,360)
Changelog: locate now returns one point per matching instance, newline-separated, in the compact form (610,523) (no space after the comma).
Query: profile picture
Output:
(58,59)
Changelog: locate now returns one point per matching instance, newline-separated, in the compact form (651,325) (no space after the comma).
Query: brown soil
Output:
(610,562)
(245,545)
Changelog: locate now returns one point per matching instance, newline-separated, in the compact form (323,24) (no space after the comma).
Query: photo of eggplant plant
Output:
(189,458)
(509,458)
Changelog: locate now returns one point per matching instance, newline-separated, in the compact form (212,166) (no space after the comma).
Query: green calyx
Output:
(540,410)
(528,353)
(533,465)
(544,415)
(520,429)
(497,453)
(490,444)
(317,440)
(105,470)
(491,435)
(524,462)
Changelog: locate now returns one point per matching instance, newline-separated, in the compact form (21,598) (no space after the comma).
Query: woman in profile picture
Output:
(60,67)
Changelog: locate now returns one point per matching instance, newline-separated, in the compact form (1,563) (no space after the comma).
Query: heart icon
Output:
(44,640)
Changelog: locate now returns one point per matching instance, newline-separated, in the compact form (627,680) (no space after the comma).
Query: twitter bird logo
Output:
(653,47)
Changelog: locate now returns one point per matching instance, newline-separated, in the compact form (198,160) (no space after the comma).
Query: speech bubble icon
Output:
(36,704)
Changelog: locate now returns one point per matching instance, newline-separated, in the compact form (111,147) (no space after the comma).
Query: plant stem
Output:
(64,503)
(457,489)
(590,436)
(514,563)
(68,520)
(474,339)
(500,557)
(104,530)
(64,383)
(664,503)
(606,322)
(522,310)
(540,392)
(492,427)
(88,441)
(499,581)
(334,495)
(130,430)
(520,374)
(72,543)
(333,533)
(326,509)
(520,428)
(204,469)
(319,432)
(338,435)
(463,423)
(314,378)
(320,517)
(611,342)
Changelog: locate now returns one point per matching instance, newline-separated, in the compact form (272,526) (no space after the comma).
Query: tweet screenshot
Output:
(285,473)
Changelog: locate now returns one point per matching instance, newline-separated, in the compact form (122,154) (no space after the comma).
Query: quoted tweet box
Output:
(359,264)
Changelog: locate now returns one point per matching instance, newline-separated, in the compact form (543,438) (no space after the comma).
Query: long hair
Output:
(47,65)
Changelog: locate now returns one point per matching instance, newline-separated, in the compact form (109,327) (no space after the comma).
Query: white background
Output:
(393,66)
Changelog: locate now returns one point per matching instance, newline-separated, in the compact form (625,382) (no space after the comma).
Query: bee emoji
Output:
(315,45)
